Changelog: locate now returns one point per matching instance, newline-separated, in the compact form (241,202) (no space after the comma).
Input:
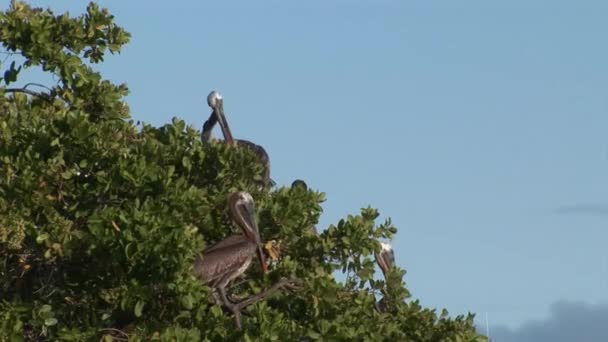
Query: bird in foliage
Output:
(386,260)
(221,263)
(216,102)
(300,185)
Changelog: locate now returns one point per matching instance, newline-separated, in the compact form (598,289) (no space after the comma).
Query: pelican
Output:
(226,260)
(386,260)
(215,101)
(300,184)
(386,257)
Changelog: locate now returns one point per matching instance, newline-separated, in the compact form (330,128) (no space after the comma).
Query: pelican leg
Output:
(235,309)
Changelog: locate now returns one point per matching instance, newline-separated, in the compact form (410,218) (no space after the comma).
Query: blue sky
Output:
(479,128)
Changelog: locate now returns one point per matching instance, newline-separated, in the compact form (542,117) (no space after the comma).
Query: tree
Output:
(101,217)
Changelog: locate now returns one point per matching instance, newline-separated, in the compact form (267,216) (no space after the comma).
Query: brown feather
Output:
(224,261)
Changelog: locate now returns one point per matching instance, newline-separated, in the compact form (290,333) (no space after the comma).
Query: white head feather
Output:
(213,98)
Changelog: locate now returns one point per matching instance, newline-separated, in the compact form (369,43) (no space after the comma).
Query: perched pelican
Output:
(221,263)
(300,184)
(386,260)
(386,257)
(215,101)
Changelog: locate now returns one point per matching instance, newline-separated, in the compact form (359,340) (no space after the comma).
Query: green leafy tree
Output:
(101,218)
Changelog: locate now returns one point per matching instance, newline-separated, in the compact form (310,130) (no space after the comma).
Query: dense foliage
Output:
(100,218)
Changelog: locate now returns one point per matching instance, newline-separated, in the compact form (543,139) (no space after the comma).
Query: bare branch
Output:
(37,85)
(269,291)
(236,308)
(123,336)
(29,92)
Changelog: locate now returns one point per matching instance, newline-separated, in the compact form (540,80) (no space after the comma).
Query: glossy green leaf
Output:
(139,306)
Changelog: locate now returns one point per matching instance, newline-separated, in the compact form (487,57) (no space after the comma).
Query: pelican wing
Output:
(386,257)
(224,261)
(262,155)
(228,242)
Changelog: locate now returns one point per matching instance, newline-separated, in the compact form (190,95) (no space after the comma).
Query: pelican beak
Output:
(221,119)
(256,238)
(262,258)
(246,214)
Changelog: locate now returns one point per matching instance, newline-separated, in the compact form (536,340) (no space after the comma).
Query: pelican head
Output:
(216,102)
(386,257)
(213,99)
(299,183)
(242,210)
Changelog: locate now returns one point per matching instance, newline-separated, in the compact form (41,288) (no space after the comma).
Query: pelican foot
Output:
(236,310)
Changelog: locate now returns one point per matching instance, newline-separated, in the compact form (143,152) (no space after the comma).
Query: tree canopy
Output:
(101,217)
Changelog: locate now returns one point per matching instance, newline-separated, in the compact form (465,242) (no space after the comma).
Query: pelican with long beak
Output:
(226,260)
(386,260)
(386,257)
(216,102)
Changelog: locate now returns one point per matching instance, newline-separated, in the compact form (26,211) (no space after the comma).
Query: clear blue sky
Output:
(479,128)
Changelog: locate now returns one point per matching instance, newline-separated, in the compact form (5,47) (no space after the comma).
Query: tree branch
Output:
(45,96)
(236,308)
(262,295)
(37,85)
(113,332)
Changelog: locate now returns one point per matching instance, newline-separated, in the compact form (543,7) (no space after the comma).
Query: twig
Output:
(29,92)
(236,308)
(37,85)
(125,336)
(50,293)
(262,295)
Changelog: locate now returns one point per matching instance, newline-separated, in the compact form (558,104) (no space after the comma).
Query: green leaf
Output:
(139,306)
(313,334)
(187,302)
(42,237)
(50,321)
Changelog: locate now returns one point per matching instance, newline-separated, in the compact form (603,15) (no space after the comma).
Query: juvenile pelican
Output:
(300,184)
(221,263)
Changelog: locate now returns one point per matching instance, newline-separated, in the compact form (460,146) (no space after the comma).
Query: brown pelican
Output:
(221,263)
(300,184)
(215,101)
(386,257)
(386,260)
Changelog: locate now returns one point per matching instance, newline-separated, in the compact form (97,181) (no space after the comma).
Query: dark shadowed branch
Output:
(24,90)
(283,283)
(236,309)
